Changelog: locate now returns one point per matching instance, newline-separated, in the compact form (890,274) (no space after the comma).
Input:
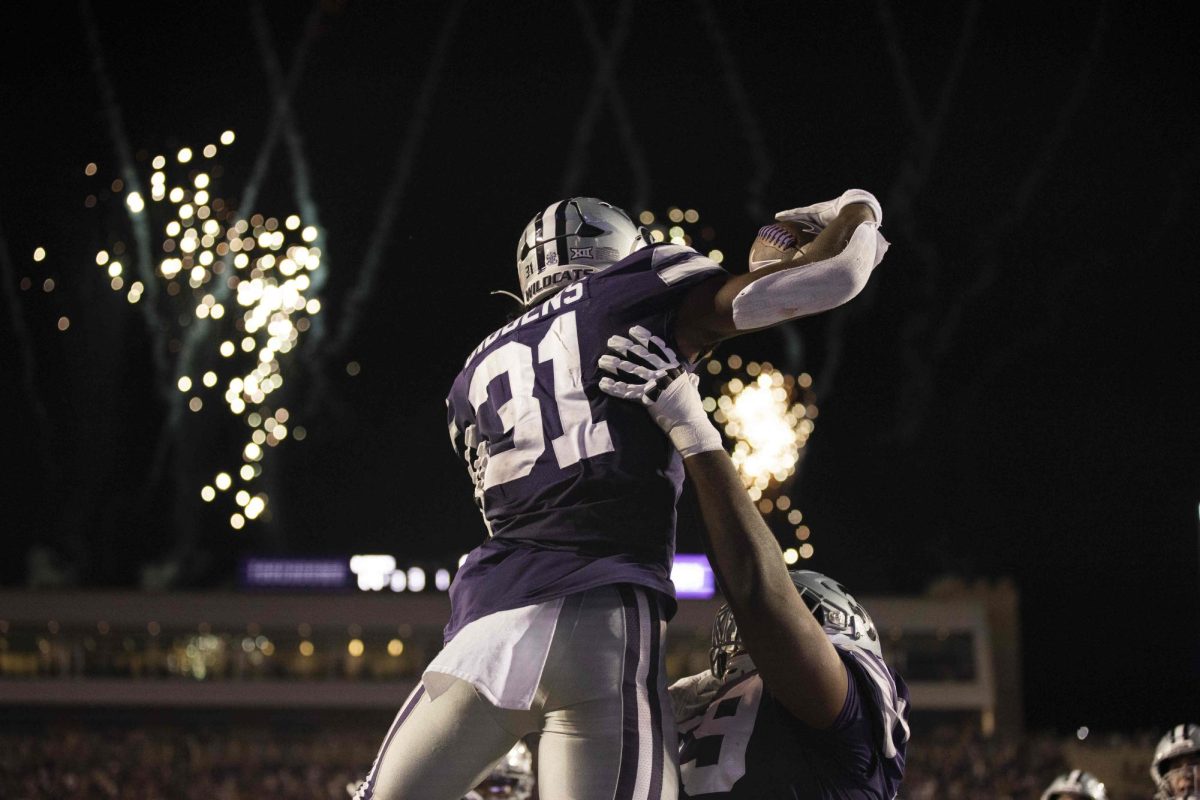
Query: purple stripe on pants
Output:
(656,721)
(627,776)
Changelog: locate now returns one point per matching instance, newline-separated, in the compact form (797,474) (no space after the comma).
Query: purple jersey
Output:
(746,745)
(580,488)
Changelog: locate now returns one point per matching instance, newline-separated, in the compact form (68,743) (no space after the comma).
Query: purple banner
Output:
(295,573)
(693,577)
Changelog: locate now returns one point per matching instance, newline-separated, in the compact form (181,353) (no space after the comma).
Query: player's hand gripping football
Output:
(818,216)
(648,371)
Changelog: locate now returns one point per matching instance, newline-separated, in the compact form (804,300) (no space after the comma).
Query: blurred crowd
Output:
(957,763)
(158,763)
(307,762)
(212,654)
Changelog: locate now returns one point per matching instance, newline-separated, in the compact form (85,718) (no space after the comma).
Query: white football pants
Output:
(607,730)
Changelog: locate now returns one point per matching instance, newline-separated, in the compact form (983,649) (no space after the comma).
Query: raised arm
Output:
(832,270)
(795,658)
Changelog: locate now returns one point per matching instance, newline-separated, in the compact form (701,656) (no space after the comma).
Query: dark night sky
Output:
(1013,395)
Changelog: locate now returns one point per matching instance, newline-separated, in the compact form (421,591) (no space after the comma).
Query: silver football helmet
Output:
(1076,784)
(1176,765)
(844,620)
(568,240)
(510,779)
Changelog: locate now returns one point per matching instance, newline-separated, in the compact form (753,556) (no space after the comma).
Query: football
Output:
(778,242)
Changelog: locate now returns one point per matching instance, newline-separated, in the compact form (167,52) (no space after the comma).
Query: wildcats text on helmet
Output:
(570,237)
(553,279)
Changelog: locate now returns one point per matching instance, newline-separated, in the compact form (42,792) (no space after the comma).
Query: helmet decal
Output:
(570,239)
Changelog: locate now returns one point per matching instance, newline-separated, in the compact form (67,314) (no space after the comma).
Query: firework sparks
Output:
(768,416)
(248,279)
(682,226)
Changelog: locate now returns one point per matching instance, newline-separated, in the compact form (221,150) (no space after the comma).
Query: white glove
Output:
(818,216)
(659,381)
(476,456)
(692,695)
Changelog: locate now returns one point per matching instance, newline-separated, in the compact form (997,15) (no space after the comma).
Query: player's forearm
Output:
(833,269)
(820,280)
(745,554)
(828,246)
(788,645)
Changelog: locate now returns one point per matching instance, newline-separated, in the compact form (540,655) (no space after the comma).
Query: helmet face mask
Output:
(725,642)
(845,621)
(1176,765)
(1181,782)
(570,239)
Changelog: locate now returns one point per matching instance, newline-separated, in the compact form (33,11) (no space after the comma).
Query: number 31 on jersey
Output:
(521,414)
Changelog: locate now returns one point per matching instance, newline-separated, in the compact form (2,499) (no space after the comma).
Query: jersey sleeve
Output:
(651,284)
(853,740)
(677,264)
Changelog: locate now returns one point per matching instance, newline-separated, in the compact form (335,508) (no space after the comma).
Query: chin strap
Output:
(507,293)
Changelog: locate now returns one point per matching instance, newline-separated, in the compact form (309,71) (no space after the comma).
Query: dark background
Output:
(1013,395)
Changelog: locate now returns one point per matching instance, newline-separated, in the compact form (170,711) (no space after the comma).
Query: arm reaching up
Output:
(794,656)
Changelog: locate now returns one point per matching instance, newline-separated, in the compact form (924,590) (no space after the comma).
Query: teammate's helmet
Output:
(1174,779)
(569,239)
(511,778)
(844,620)
(1076,784)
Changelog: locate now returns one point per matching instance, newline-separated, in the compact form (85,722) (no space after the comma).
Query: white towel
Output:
(891,706)
(502,655)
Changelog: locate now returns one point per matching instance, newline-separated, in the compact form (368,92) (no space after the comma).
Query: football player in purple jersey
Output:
(557,619)
(799,701)
(1176,765)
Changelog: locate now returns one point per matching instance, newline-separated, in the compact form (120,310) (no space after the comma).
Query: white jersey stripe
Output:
(674,263)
